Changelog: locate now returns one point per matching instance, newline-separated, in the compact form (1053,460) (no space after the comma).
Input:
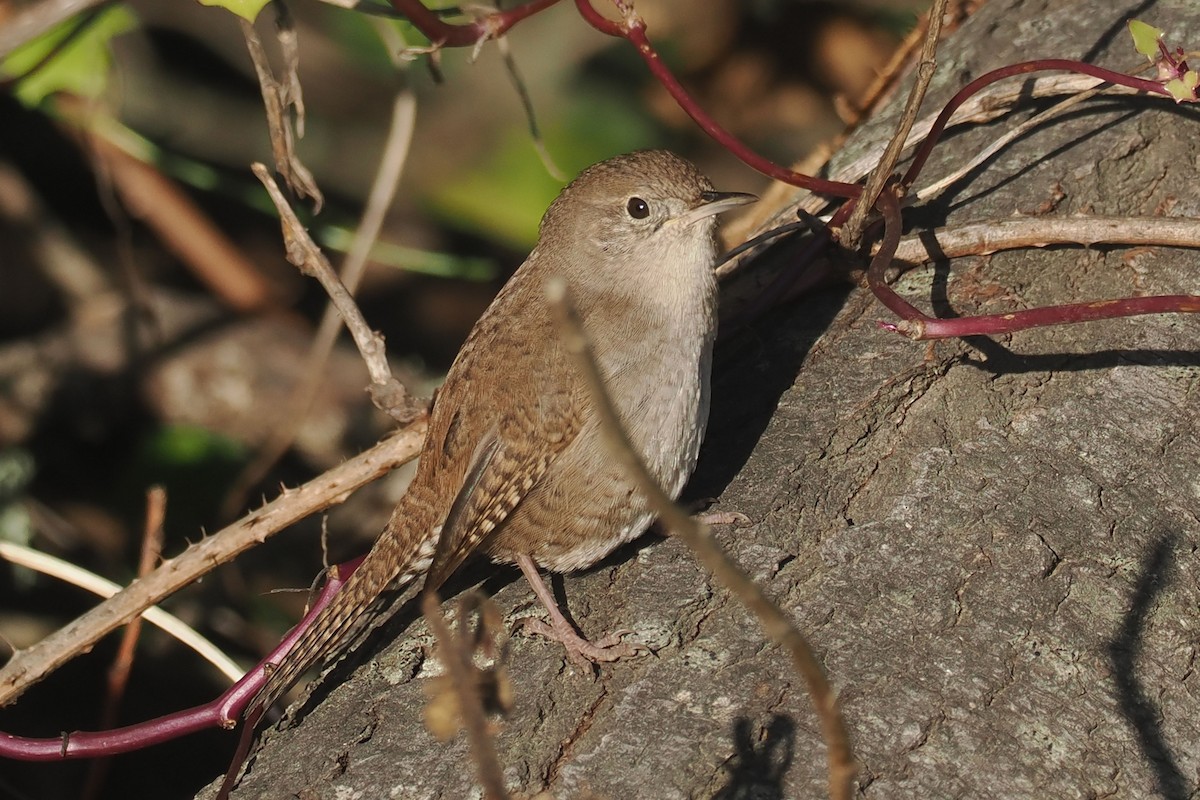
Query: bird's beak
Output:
(714,203)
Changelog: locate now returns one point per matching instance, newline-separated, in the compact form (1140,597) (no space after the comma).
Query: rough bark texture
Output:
(993,547)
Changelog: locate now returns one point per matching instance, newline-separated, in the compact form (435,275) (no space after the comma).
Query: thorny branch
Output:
(35,663)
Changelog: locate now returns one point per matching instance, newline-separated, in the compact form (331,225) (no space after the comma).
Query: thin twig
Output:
(934,189)
(387,392)
(118,673)
(776,624)
(91,582)
(383,190)
(1011,71)
(277,98)
(982,238)
(444,34)
(456,657)
(852,231)
(535,131)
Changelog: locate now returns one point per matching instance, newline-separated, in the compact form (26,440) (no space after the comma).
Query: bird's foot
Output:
(698,509)
(722,518)
(581,652)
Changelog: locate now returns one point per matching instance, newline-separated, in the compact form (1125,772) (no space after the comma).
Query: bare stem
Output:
(776,624)
(982,238)
(387,392)
(444,34)
(852,232)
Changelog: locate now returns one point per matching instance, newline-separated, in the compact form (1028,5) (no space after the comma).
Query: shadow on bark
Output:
(761,760)
(1137,707)
(752,368)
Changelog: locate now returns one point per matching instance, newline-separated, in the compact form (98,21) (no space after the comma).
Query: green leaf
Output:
(1145,38)
(246,9)
(1184,89)
(80,67)
(183,445)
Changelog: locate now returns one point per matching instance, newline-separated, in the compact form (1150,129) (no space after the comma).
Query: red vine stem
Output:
(1039,65)
(633,29)
(889,206)
(222,712)
(923,327)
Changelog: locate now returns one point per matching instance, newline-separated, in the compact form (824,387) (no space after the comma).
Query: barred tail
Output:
(389,567)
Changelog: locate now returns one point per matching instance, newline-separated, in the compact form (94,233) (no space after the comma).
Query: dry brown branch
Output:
(853,229)
(886,80)
(383,190)
(278,96)
(776,624)
(29,666)
(387,392)
(1009,234)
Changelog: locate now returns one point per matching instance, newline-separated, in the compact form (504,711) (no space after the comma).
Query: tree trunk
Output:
(991,545)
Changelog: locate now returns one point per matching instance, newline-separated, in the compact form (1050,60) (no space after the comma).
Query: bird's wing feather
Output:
(508,462)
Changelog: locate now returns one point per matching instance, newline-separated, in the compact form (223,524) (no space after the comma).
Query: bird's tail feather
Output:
(338,623)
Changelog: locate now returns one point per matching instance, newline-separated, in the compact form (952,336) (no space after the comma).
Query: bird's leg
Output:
(721,518)
(699,511)
(581,652)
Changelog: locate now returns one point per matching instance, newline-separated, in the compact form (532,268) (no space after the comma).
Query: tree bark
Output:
(992,545)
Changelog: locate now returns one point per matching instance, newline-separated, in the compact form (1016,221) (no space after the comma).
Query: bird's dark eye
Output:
(637,208)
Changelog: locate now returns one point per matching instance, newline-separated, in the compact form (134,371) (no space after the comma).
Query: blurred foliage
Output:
(82,62)
(183,447)
(504,196)
(195,465)
(17,470)
(246,9)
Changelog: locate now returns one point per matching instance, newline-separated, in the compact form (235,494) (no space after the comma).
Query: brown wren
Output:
(513,464)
